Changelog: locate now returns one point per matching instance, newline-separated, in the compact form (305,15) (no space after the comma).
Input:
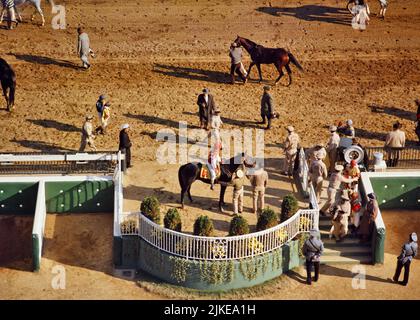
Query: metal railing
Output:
(58,163)
(217,248)
(409,157)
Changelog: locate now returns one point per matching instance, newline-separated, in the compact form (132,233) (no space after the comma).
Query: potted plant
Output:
(289,207)
(203,226)
(150,208)
(267,219)
(172,220)
(238,226)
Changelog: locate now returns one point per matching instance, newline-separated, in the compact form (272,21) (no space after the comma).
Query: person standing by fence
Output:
(238,191)
(291,146)
(394,143)
(312,250)
(125,145)
(408,252)
(318,172)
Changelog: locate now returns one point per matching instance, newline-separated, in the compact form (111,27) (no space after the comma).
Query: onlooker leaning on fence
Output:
(125,145)
(87,135)
(259,182)
(408,252)
(394,143)
(367,222)
(312,250)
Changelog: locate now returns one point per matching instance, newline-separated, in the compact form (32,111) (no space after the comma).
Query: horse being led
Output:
(8,83)
(35,3)
(190,172)
(261,55)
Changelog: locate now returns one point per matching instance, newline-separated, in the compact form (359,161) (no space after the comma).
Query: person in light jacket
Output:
(312,250)
(83,48)
(408,252)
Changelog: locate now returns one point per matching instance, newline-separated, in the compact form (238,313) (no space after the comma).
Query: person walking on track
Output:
(408,252)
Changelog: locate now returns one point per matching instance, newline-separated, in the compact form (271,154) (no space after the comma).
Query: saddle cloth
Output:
(205,172)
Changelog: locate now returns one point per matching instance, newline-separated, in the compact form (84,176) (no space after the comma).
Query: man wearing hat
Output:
(87,135)
(291,145)
(207,108)
(332,146)
(340,220)
(235,54)
(83,48)
(312,250)
(335,184)
(367,221)
(100,104)
(347,130)
(238,191)
(125,144)
(394,143)
(267,107)
(317,173)
(408,252)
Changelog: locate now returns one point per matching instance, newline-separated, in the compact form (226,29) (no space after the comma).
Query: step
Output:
(347,251)
(353,242)
(346,260)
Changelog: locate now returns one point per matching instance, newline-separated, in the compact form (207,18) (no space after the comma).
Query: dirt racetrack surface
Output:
(154,58)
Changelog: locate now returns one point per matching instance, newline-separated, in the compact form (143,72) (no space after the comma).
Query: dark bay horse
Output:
(8,83)
(190,172)
(261,55)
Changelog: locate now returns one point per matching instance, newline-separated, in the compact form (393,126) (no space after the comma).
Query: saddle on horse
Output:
(205,172)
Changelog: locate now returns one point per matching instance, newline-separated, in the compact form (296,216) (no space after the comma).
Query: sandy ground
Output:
(153,58)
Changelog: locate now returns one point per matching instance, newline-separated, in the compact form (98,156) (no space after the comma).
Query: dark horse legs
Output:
(281,73)
(258,67)
(222,198)
(4,87)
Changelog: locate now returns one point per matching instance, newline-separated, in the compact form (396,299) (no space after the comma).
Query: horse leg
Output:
(189,193)
(249,69)
(38,8)
(222,198)
(259,72)
(3,86)
(2,15)
(280,70)
(289,72)
(182,198)
(19,17)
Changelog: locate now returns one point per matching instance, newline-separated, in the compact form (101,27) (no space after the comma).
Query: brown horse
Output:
(261,55)
(8,83)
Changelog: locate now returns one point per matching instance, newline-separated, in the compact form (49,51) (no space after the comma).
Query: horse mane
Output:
(250,41)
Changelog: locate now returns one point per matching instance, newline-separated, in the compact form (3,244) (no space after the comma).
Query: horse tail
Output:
(295,62)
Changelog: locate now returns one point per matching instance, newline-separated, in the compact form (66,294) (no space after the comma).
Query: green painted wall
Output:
(79,196)
(18,197)
(205,275)
(395,189)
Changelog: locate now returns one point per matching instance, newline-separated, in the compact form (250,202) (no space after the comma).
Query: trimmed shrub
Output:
(172,220)
(238,226)
(267,219)
(150,208)
(203,226)
(289,207)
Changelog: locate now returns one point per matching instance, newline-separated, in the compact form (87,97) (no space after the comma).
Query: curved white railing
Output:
(218,248)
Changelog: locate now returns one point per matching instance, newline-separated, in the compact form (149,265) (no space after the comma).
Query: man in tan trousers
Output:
(318,172)
(332,146)
(291,146)
(87,135)
(394,143)
(259,182)
(335,185)
(238,191)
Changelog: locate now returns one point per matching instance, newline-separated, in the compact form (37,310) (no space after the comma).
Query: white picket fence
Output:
(217,248)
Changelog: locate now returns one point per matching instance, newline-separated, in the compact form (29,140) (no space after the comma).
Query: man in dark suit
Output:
(125,145)
(267,107)
(207,108)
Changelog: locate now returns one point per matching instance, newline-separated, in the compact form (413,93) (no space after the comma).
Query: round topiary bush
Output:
(267,219)
(238,226)
(203,226)
(172,220)
(150,208)
(289,207)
